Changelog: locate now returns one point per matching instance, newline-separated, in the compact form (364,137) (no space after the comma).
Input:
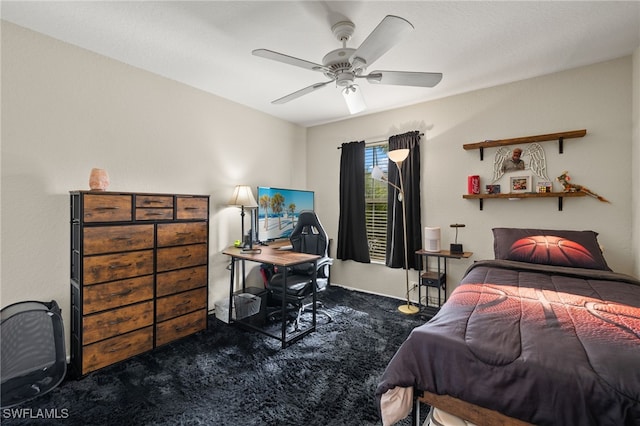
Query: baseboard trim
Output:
(372,292)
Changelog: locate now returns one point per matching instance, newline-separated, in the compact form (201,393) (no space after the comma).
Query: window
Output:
(376,201)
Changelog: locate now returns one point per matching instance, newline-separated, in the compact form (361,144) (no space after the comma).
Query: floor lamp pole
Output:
(408,308)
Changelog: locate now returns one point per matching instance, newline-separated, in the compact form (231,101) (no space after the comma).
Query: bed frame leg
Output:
(415,412)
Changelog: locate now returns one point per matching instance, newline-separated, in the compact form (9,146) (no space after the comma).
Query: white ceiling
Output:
(208,44)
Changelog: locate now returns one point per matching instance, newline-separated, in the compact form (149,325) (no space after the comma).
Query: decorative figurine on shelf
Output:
(98,180)
(572,187)
(507,160)
(456,248)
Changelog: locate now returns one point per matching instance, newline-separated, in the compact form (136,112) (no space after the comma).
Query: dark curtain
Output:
(411,182)
(352,227)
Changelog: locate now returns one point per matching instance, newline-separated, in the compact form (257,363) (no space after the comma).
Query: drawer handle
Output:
(184,257)
(128,345)
(121,239)
(186,327)
(128,265)
(108,208)
(183,233)
(191,208)
(153,202)
(155,214)
(122,293)
(119,320)
(186,302)
(184,281)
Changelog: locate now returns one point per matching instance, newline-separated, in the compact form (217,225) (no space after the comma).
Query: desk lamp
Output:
(398,156)
(243,197)
(456,248)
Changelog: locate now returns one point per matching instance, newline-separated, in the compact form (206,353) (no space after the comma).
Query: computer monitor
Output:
(278,210)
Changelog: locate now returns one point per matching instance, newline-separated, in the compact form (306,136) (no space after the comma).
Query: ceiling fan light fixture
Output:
(353,97)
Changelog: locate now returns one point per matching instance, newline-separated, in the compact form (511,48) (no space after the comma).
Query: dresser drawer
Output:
(154,201)
(154,214)
(111,239)
(176,328)
(180,280)
(181,257)
(107,324)
(180,304)
(107,208)
(192,207)
(110,267)
(176,234)
(116,349)
(154,207)
(101,297)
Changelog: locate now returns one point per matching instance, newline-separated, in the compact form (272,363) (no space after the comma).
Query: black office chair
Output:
(307,237)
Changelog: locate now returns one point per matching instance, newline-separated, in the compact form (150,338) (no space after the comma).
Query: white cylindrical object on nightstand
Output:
(432,239)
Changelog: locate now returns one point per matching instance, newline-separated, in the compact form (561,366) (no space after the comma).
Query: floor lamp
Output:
(243,198)
(398,156)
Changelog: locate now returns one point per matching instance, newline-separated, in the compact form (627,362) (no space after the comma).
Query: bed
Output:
(543,334)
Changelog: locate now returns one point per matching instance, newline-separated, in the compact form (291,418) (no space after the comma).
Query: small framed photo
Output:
(519,184)
(492,189)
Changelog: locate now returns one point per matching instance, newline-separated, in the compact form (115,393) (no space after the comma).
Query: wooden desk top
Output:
(445,253)
(271,255)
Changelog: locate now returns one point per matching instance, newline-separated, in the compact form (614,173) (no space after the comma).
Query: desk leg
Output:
(443,285)
(439,283)
(314,284)
(231,280)
(284,309)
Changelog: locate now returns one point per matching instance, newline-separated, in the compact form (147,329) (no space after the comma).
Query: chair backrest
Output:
(309,236)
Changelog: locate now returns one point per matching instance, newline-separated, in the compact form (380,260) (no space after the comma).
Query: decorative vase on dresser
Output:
(139,273)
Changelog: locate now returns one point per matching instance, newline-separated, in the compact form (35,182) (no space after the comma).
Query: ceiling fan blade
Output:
(404,78)
(387,34)
(301,92)
(353,97)
(281,57)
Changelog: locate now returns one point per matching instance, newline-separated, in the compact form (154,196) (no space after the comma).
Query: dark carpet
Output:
(230,376)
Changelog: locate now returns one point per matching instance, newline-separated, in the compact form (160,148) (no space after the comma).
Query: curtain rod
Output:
(380,141)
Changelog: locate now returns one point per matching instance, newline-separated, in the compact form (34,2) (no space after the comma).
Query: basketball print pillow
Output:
(551,250)
(558,247)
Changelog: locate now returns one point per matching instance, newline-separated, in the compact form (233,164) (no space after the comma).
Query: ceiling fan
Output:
(343,66)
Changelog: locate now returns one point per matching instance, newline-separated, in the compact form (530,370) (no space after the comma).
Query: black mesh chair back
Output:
(32,351)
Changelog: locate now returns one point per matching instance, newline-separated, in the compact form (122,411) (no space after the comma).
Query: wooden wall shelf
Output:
(558,195)
(560,137)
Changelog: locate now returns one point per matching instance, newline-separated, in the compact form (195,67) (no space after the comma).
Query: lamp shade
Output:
(398,155)
(243,196)
(378,174)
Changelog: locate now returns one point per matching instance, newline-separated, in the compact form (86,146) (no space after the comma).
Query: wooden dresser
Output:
(139,273)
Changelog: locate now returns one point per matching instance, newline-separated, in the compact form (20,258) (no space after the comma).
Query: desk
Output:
(437,278)
(282,259)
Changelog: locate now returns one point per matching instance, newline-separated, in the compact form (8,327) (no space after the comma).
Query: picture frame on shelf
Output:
(492,189)
(520,184)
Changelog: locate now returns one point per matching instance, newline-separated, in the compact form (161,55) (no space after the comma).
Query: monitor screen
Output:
(278,209)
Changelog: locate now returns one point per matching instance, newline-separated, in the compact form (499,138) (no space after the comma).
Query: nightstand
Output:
(436,278)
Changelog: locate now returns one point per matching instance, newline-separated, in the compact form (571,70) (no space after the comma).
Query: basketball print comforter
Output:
(549,345)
